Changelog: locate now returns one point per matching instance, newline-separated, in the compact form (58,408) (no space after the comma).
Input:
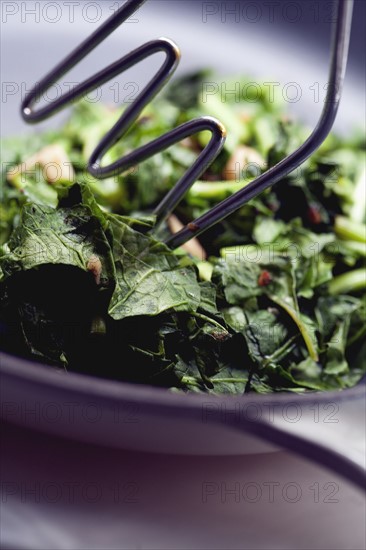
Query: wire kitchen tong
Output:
(339,54)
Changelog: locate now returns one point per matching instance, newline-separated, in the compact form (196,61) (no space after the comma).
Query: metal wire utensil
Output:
(339,54)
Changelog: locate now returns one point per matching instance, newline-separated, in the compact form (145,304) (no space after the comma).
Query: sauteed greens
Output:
(271,299)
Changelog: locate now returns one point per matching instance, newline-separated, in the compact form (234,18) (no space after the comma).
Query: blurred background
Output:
(278,41)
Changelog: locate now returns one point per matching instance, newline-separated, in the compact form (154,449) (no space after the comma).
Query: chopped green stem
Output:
(354,247)
(229,380)
(357,336)
(301,326)
(348,282)
(208,320)
(192,381)
(216,189)
(347,229)
(205,270)
(278,354)
(358,210)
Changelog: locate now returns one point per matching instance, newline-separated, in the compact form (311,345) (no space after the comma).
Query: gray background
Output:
(279,40)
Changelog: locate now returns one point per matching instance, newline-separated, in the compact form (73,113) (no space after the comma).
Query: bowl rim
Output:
(25,370)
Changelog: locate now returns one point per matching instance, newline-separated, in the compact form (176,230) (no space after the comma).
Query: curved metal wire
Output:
(129,116)
(339,54)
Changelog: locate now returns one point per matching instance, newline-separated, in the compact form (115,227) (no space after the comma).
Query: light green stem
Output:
(301,326)
(347,229)
(348,282)
(208,320)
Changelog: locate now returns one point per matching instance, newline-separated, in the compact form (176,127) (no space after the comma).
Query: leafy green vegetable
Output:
(149,277)
(278,304)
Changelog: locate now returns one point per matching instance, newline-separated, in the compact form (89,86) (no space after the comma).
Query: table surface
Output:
(61,494)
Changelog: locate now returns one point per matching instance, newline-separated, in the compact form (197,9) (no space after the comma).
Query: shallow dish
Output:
(151,419)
